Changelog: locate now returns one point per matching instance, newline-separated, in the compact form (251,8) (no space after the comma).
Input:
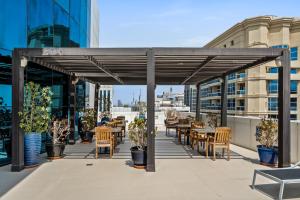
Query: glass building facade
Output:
(37,24)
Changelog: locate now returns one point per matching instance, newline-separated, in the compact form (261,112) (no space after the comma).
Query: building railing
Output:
(213,107)
(212,94)
(230,108)
(240,75)
(240,92)
(240,108)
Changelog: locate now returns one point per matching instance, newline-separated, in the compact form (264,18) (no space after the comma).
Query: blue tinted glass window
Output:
(84,23)
(273,103)
(64,4)
(74,34)
(40,14)
(294,86)
(241,75)
(40,23)
(273,86)
(293,71)
(60,16)
(294,53)
(293,103)
(13,25)
(273,70)
(231,76)
(75,10)
(231,104)
(231,88)
(61,27)
(284,46)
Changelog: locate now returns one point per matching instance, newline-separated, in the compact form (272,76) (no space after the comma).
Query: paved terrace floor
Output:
(181,174)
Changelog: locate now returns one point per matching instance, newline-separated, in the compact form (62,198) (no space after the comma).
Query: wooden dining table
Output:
(185,128)
(205,133)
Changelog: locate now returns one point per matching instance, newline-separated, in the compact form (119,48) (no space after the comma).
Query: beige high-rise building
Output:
(254,92)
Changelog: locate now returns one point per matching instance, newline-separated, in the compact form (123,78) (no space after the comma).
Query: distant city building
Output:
(105,98)
(170,100)
(254,92)
(120,104)
(190,96)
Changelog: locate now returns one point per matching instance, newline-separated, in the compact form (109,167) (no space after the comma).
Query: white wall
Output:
(243,134)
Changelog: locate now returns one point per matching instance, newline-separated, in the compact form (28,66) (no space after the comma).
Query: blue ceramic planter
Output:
(267,156)
(32,149)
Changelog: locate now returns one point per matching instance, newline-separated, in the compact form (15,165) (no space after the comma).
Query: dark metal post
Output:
(224,87)
(150,111)
(96,102)
(17,163)
(284,138)
(72,108)
(198,103)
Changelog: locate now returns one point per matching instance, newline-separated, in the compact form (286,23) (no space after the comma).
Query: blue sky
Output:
(176,23)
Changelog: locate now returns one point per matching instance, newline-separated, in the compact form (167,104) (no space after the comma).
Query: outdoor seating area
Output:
(205,136)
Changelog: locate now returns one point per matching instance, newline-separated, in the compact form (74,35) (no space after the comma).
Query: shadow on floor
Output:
(291,191)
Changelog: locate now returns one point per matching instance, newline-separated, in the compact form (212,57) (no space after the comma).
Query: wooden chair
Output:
(184,131)
(170,123)
(122,118)
(197,137)
(221,139)
(104,138)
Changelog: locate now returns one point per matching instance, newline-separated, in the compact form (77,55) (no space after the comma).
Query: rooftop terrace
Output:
(181,174)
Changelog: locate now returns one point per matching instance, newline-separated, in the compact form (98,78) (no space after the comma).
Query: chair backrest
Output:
(121,118)
(112,124)
(198,124)
(222,135)
(103,133)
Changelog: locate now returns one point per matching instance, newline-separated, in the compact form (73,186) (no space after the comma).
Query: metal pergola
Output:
(151,67)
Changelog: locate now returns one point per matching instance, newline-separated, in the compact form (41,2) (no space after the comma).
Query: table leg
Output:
(179,135)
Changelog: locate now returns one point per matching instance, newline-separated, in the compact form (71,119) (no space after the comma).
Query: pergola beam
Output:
(93,61)
(209,59)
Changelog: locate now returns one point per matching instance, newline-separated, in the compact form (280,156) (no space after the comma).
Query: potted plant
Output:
(137,134)
(34,120)
(88,121)
(59,132)
(267,136)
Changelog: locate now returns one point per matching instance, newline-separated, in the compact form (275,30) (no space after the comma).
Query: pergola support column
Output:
(96,102)
(284,138)
(150,111)
(17,162)
(72,107)
(198,102)
(224,87)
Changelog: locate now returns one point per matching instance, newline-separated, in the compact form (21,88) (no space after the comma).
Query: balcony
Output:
(213,107)
(214,94)
(230,108)
(240,108)
(240,75)
(240,92)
